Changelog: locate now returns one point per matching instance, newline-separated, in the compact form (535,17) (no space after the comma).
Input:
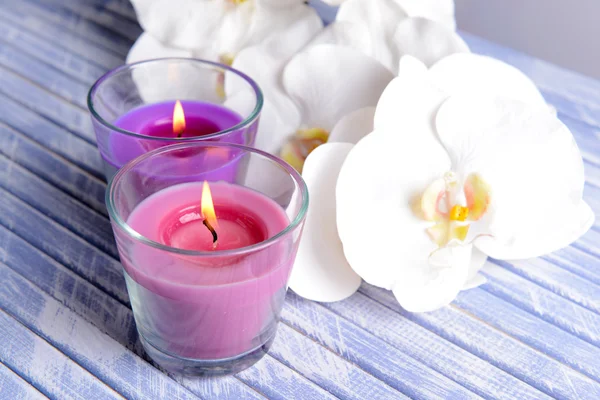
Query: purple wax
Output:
(156,120)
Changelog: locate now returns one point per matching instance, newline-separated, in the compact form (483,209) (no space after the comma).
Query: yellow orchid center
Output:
(304,141)
(236,2)
(439,203)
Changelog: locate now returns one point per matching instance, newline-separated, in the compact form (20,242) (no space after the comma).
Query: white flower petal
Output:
(474,278)
(378,185)
(410,101)
(476,74)
(291,20)
(378,20)
(354,126)
(188,24)
(264,63)
(280,117)
(345,33)
(170,80)
(437,10)
(424,287)
(532,165)
(147,47)
(233,32)
(321,272)
(328,82)
(427,40)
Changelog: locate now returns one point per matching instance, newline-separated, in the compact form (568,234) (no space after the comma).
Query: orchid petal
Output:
(345,33)
(328,82)
(532,165)
(233,32)
(379,182)
(321,272)
(476,74)
(333,2)
(426,40)
(170,80)
(425,287)
(354,126)
(147,47)
(265,63)
(273,19)
(187,24)
(441,11)
(379,20)
(474,278)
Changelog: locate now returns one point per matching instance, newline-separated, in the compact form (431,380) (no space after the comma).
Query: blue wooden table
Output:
(66,327)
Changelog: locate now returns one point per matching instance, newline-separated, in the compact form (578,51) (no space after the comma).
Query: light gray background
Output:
(565,32)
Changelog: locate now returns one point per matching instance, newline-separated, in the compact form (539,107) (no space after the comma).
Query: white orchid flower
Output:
(307,94)
(465,160)
(217,30)
(389,29)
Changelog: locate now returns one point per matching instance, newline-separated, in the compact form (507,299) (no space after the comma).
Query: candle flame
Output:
(206,206)
(178,119)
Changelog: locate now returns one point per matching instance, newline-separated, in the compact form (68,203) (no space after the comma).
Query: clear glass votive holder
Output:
(133,106)
(203,307)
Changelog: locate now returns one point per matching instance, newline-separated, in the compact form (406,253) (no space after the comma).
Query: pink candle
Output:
(215,306)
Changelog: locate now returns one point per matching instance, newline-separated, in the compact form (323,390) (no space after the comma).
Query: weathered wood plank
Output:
(419,343)
(577,260)
(332,372)
(72,23)
(45,35)
(545,304)
(63,246)
(533,330)
(121,7)
(109,315)
(557,280)
(43,74)
(58,110)
(492,345)
(46,133)
(12,386)
(395,362)
(588,243)
(95,351)
(72,64)
(52,168)
(52,372)
(97,13)
(59,206)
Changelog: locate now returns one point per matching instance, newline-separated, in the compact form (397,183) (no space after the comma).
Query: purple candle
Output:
(200,120)
(133,106)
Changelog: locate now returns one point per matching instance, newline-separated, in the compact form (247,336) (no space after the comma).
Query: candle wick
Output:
(180,133)
(212,230)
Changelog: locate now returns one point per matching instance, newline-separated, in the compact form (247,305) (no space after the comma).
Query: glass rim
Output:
(125,227)
(245,122)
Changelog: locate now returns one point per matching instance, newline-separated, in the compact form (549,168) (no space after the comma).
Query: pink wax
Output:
(217,305)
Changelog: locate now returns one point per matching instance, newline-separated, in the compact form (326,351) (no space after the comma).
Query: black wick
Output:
(212,230)
(179,135)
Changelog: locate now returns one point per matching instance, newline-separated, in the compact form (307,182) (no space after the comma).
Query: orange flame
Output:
(206,206)
(178,119)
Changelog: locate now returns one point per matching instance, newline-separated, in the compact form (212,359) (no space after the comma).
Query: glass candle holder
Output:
(207,304)
(134,107)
